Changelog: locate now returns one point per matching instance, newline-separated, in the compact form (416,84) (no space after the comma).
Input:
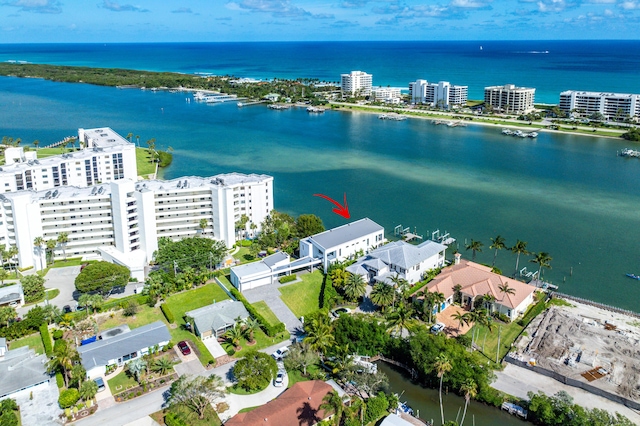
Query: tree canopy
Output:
(255,371)
(196,393)
(33,288)
(192,252)
(101,277)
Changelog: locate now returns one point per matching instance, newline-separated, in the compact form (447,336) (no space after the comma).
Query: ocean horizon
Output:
(550,66)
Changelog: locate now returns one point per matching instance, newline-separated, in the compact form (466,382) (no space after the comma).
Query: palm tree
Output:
(38,242)
(332,403)
(461,318)
(497,243)
(13,252)
(319,334)
(51,245)
(234,335)
(470,390)
(203,225)
(457,293)
(357,409)
(137,367)
(354,287)
(129,136)
(442,365)
(427,304)
(250,326)
(382,295)
(487,302)
(338,275)
(475,247)
(399,283)
(162,365)
(542,259)
(438,300)
(400,319)
(63,239)
(505,289)
(519,248)
(51,313)
(64,357)
(36,143)
(88,389)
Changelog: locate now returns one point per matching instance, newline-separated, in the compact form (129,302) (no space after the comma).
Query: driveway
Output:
(64,280)
(43,409)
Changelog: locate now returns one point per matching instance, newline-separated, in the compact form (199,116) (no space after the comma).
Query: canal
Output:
(424,402)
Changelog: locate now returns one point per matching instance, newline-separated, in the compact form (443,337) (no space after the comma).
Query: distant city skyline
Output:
(111,21)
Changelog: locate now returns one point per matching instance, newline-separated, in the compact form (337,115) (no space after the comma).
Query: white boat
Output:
(313,109)
(532,135)
(507,132)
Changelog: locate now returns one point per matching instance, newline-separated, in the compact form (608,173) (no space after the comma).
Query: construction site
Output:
(584,346)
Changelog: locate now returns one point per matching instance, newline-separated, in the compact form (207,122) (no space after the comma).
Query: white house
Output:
(343,242)
(215,319)
(21,371)
(121,345)
(400,258)
(12,295)
(256,274)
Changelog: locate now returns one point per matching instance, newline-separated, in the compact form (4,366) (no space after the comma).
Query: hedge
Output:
(46,339)
(59,380)
(167,313)
(57,334)
(270,330)
(288,278)
(68,397)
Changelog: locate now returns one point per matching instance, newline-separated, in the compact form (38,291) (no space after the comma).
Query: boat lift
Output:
(406,234)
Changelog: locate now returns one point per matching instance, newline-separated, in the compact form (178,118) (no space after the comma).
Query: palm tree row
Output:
(49,246)
(542,259)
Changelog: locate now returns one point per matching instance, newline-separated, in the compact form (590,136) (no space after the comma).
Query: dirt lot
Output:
(574,340)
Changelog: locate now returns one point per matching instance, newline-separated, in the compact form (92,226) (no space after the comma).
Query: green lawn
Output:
(145,167)
(189,417)
(296,376)
(303,298)
(262,341)
(70,262)
(48,152)
(121,383)
(49,295)
(34,341)
(266,312)
(193,299)
(244,256)
(146,315)
(247,409)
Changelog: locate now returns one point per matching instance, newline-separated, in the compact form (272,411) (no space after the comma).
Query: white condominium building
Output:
(610,105)
(509,98)
(105,157)
(386,94)
(357,83)
(442,94)
(123,219)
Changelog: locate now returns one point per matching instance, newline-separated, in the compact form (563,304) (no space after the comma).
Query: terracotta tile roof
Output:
(478,280)
(297,406)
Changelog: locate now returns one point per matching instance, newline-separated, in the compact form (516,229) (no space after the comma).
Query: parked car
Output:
(279,380)
(437,327)
(67,309)
(339,311)
(100,383)
(280,353)
(184,348)
(13,304)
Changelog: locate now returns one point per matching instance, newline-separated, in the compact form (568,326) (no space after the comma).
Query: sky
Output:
(103,21)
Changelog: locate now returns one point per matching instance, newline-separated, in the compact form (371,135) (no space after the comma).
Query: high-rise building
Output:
(509,98)
(356,83)
(610,105)
(442,94)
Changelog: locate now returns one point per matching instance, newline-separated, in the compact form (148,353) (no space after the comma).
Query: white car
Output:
(280,353)
(279,380)
(437,327)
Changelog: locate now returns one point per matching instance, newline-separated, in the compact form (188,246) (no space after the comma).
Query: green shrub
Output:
(68,398)
(46,339)
(270,330)
(288,279)
(172,419)
(59,380)
(167,313)
(376,407)
(131,308)
(57,334)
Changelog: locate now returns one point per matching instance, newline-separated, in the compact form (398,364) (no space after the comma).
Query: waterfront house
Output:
(343,242)
(256,274)
(476,281)
(298,405)
(121,345)
(407,261)
(215,319)
(21,371)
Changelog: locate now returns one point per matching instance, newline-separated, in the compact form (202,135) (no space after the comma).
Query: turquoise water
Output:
(549,66)
(566,195)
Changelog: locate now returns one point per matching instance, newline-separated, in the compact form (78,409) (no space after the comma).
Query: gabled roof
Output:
(218,315)
(345,233)
(21,368)
(297,406)
(101,352)
(405,255)
(478,280)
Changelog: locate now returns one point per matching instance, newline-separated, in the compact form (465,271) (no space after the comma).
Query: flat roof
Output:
(249,269)
(101,352)
(345,233)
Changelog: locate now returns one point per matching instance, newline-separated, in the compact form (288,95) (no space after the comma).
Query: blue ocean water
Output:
(549,66)
(567,195)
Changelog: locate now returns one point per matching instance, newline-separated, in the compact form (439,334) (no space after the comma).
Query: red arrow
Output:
(342,211)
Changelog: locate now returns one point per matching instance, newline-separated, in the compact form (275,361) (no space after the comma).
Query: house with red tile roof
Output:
(297,406)
(476,281)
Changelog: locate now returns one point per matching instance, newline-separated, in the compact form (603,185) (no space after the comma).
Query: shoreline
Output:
(515,124)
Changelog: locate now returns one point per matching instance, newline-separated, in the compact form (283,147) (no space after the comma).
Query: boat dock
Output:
(392,116)
(317,110)
(628,152)
(450,123)
(214,97)
(244,104)
(406,234)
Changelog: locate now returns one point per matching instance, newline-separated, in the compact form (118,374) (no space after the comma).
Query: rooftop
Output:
(345,233)
(21,368)
(218,315)
(101,352)
(10,293)
(407,255)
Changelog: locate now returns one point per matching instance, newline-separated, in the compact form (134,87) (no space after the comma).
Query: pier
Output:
(244,104)
(406,234)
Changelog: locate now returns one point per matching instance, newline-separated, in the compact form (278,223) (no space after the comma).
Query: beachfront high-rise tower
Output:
(356,83)
(509,98)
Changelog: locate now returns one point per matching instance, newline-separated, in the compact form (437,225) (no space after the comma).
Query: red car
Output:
(184,348)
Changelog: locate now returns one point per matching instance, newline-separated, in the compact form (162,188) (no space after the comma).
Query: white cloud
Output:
(117,7)
(630,5)
(37,6)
